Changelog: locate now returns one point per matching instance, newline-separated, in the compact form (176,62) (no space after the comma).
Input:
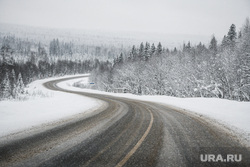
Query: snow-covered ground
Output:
(43,106)
(18,115)
(233,115)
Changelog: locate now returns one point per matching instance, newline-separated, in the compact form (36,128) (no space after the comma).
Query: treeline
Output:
(24,48)
(15,76)
(217,70)
(23,61)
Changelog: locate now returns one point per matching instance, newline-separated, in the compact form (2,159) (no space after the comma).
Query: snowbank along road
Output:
(125,132)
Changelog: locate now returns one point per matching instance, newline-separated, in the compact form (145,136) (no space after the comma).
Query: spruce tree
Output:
(133,53)
(141,51)
(246,27)
(153,49)
(243,52)
(188,47)
(213,46)
(240,35)
(174,51)
(13,83)
(147,51)
(6,88)
(20,85)
(159,49)
(120,59)
(232,36)
(225,43)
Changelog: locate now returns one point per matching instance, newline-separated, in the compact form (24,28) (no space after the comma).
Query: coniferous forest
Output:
(219,69)
(23,61)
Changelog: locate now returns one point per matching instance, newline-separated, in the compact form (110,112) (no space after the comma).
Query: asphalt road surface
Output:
(123,132)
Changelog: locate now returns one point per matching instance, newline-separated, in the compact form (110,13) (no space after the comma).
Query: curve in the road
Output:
(123,132)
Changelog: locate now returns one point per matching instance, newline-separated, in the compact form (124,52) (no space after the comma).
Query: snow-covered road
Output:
(231,114)
(146,126)
(16,116)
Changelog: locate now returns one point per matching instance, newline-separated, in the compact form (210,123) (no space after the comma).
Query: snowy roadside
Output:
(232,115)
(43,106)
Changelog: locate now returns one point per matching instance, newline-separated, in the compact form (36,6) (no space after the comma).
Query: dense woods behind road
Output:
(219,70)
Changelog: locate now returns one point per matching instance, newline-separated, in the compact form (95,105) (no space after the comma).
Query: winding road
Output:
(123,132)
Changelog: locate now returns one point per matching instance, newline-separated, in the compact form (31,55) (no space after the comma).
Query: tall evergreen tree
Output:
(20,85)
(225,43)
(147,51)
(6,87)
(213,45)
(159,49)
(232,36)
(243,51)
(153,49)
(239,35)
(133,53)
(12,79)
(120,59)
(141,51)
(246,27)
(6,52)
(174,51)
(188,47)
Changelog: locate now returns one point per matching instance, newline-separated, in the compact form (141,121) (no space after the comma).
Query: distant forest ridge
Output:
(99,37)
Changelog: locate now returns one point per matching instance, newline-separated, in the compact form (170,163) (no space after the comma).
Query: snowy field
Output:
(43,106)
(20,115)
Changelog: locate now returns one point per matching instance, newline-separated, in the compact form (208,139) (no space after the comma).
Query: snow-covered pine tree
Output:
(147,51)
(239,35)
(130,56)
(153,49)
(232,36)
(13,83)
(225,43)
(6,52)
(6,87)
(243,52)
(133,53)
(174,52)
(20,85)
(120,58)
(213,46)
(188,47)
(159,49)
(141,51)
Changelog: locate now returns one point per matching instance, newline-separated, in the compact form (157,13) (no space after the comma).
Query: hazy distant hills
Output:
(94,37)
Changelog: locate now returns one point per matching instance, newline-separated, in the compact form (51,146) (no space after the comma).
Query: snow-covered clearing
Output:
(43,106)
(19,115)
(233,115)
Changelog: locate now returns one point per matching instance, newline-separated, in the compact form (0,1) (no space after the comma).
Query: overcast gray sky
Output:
(202,17)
